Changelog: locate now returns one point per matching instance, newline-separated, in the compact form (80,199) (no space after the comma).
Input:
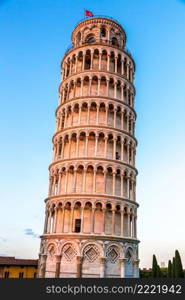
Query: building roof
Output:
(12,261)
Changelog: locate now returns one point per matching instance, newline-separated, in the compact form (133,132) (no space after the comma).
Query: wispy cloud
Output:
(2,239)
(29,231)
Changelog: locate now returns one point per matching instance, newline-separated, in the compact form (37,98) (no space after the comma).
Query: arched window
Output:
(115,42)
(90,38)
(103,32)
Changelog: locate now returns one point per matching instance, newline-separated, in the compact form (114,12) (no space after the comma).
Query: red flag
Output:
(88,13)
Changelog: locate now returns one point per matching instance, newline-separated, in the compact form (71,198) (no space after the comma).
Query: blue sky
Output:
(34,36)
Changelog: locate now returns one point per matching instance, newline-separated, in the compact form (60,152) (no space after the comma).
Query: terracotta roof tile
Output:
(10,260)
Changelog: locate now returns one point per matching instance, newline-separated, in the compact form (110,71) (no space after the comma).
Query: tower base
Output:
(100,257)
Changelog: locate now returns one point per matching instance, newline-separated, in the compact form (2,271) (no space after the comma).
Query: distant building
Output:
(11,267)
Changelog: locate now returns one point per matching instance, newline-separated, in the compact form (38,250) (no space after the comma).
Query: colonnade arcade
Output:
(94,144)
(99,59)
(101,218)
(93,179)
(93,113)
(96,85)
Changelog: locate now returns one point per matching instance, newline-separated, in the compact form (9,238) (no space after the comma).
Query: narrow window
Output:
(6,274)
(77,225)
(21,274)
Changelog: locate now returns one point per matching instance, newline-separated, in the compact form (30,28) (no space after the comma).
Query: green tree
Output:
(178,266)
(173,267)
(154,267)
(169,273)
(159,272)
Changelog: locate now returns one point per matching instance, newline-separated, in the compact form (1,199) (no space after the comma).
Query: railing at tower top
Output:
(98,16)
(101,41)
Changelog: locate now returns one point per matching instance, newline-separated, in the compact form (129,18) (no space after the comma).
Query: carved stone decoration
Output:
(69,252)
(91,253)
(112,254)
(51,252)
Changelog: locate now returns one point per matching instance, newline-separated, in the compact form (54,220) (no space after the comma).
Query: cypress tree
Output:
(159,273)
(169,273)
(173,268)
(178,266)
(154,267)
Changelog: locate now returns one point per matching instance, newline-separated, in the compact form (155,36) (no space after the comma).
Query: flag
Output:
(88,13)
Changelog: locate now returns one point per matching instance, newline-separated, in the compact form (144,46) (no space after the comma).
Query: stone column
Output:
(88,113)
(128,151)
(79,266)
(102,267)
(105,176)
(94,182)
(83,62)
(86,144)
(63,218)
(106,114)
(91,64)
(105,151)
(103,220)
(50,186)
(128,71)
(74,180)
(46,221)
(57,270)
(121,91)
(79,114)
(122,220)
(113,221)
(76,60)
(66,181)
(100,57)
(135,227)
(49,222)
(69,151)
(128,222)
(122,67)
(122,147)
(55,220)
(81,91)
(115,111)
(96,145)
(115,89)
(99,80)
(122,267)
(84,180)
(90,83)
(43,265)
(136,268)
(77,145)
(114,148)
(62,151)
(122,176)
(114,182)
(92,219)
(97,114)
(108,62)
(71,219)
(127,122)
(82,219)
(107,87)
(116,64)
(128,187)
(65,118)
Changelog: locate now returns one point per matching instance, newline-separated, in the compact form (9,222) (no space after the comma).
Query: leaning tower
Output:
(91,209)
